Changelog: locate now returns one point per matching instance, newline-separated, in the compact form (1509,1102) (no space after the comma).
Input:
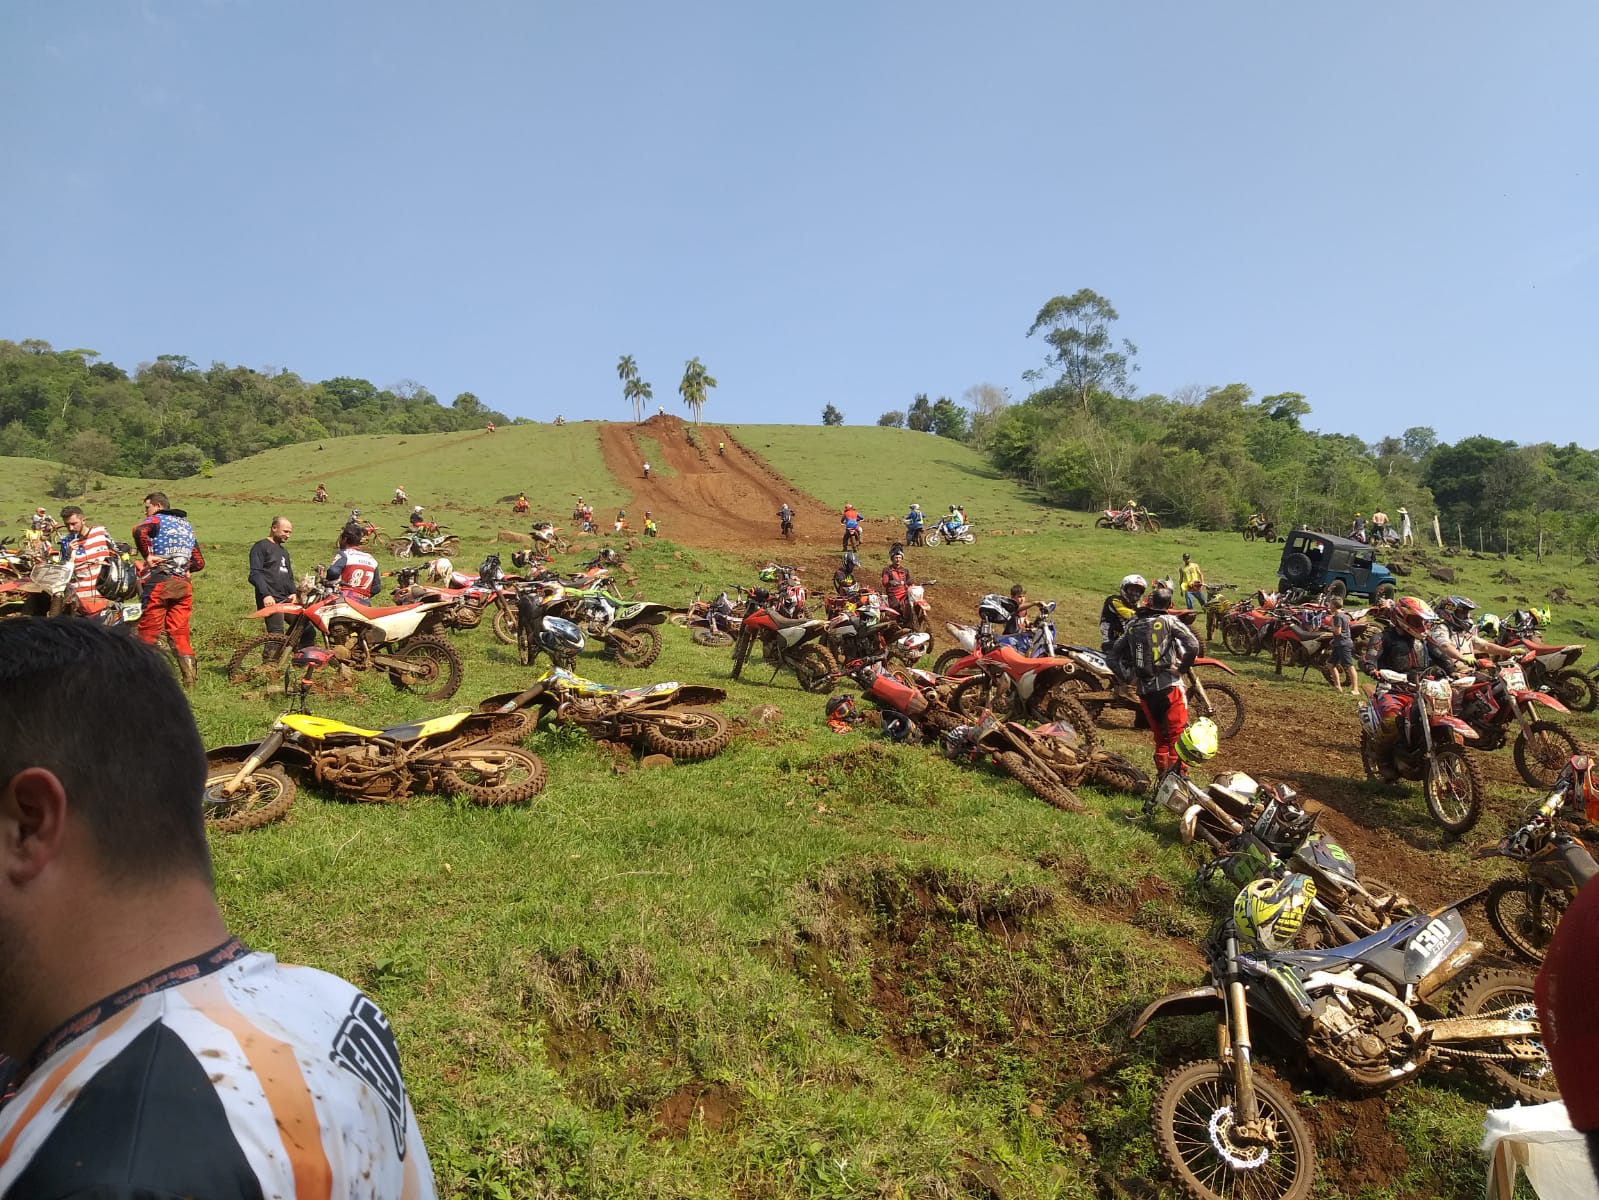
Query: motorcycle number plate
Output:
(1168,796)
(1432,941)
(1436,694)
(1514,678)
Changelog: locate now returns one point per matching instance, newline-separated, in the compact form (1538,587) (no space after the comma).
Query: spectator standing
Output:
(166,542)
(271,574)
(154,1054)
(1153,653)
(1341,655)
(86,547)
(1406,537)
(1193,583)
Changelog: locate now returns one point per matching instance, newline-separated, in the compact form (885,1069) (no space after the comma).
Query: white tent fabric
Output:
(1537,1139)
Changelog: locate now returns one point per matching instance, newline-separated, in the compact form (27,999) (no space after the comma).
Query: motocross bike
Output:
(1497,702)
(1525,908)
(852,537)
(710,622)
(784,642)
(1368,1015)
(425,540)
(1278,836)
(1553,669)
(1095,686)
(948,531)
(866,631)
(1249,624)
(540,631)
(1036,641)
(1023,687)
(1133,520)
(662,718)
(548,538)
(1049,760)
(1431,748)
(397,640)
(14,564)
(1266,531)
(630,632)
(370,533)
(250,785)
(786,526)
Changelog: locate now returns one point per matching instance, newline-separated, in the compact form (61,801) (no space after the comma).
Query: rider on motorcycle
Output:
(399,495)
(321,496)
(1455,635)
(1404,647)
(650,528)
(353,569)
(851,521)
(785,517)
(957,517)
(418,521)
(914,523)
(1118,609)
(521,505)
(897,582)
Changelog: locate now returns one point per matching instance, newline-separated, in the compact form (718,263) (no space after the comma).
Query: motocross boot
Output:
(186,669)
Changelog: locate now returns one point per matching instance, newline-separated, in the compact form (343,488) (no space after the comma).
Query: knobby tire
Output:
(1508,995)
(265,797)
(510,776)
(1188,1099)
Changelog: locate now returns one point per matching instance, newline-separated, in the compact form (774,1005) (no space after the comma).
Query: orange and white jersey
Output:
(228,1075)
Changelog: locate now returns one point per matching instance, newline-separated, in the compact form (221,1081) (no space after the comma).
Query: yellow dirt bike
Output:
(252,785)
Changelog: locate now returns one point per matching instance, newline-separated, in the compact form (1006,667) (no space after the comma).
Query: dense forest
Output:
(1210,456)
(171,419)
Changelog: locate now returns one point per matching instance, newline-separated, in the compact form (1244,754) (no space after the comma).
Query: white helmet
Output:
(1136,584)
(416,508)
(440,569)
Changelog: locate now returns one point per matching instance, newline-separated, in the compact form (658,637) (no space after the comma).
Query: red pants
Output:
(166,610)
(1167,714)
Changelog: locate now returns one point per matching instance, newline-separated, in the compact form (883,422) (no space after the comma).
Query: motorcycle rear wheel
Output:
(1542,757)
(491,774)
(1058,704)
(1114,771)
(687,734)
(1509,995)
(1104,523)
(437,668)
(265,797)
(948,659)
(1223,705)
(712,637)
(1047,788)
(968,538)
(640,645)
(1193,1120)
(1524,914)
(814,667)
(1575,690)
(1454,790)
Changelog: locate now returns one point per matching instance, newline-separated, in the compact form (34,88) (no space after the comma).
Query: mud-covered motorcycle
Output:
(789,642)
(1430,748)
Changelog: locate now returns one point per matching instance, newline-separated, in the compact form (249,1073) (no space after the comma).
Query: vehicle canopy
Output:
(1317,561)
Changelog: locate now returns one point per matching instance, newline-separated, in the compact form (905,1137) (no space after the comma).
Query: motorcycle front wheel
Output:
(1520,1067)
(505,621)
(1454,789)
(265,797)
(1151,525)
(1541,757)
(687,734)
(400,547)
(1047,788)
(636,646)
(1575,690)
(1524,914)
(489,774)
(261,655)
(1195,1119)
(435,668)
(933,539)
(1223,705)
(741,652)
(1239,637)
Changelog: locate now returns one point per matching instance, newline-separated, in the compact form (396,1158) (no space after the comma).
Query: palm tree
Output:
(694,386)
(640,393)
(627,372)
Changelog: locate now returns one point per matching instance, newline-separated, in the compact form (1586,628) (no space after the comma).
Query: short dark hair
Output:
(350,535)
(71,510)
(1017,589)
(159,499)
(133,773)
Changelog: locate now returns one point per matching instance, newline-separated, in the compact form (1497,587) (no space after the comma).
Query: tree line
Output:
(171,419)
(1208,457)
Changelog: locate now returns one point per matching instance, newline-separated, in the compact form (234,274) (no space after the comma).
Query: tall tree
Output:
(640,393)
(920,416)
(627,372)
(831,416)
(696,383)
(949,419)
(892,419)
(1082,355)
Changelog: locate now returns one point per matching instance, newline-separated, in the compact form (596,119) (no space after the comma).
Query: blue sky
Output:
(1393,209)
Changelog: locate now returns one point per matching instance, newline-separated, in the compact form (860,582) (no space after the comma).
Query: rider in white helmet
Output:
(1119,607)
(440,570)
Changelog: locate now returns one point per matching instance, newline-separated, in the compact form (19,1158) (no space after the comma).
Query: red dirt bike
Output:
(1498,702)
(865,630)
(1137,519)
(1248,625)
(789,642)
(1553,669)
(1302,637)
(1431,748)
(396,639)
(789,596)
(1039,689)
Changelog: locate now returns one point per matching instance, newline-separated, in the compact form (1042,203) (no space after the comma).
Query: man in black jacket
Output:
(270,572)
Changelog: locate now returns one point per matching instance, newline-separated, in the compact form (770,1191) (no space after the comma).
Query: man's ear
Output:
(33,824)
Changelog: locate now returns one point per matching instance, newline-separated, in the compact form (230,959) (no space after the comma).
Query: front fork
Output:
(269,746)
(1236,1032)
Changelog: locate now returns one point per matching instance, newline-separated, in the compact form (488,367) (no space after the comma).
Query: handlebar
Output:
(1577,858)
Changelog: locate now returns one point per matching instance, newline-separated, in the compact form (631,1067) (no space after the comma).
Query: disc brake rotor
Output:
(1239,1158)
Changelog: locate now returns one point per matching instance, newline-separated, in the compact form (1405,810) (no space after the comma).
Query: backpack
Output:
(1154,649)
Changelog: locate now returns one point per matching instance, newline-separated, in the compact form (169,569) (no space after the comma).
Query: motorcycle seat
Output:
(377,610)
(783,622)
(1541,648)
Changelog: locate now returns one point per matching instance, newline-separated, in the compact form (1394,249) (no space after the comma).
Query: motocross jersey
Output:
(1396,650)
(355,571)
(87,554)
(226,1075)
(1156,648)
(1113,617)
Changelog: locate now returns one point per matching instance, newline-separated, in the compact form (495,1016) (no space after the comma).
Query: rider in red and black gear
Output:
(896,583)
(1406,648)
(354,570)
(1153,653)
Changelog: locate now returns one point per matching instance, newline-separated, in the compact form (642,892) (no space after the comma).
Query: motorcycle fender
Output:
(403,625)
(1541,698)
(278,608)
(695,695)
(1214,662)
(963,664)
(1455,725)
(1180,1004)
(231,753)
(642,614)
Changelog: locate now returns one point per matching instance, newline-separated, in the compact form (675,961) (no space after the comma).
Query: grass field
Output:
(816,965)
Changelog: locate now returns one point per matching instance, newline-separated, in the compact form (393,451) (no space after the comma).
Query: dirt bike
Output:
(425,540)
(786,525)
(250,785)
(1266,531)
(521,508)
(400,498)
(397,640)
(473,596)
(1095,686)
(948,531)
(1499,701)
(789,642)
(1525,908)
(1367,1015)
(1250,622)
(319,497)
(662,718)
(370,533)
(865,630)
(789,594)
(1048,761)
(1431,748)
(629,631)
(1132,520)
(852,537)
(1553,669)
(915,535)
(548,538)
(540,631)
(710,622)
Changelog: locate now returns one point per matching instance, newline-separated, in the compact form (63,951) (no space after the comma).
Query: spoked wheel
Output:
(1525,914)
(948,659)
(1239,637)
(741,653)
(505,621)
(1541,757)
(712,637)
(490,774)
(1223,705)
(1104,523)
(260,658)
(1454,790)
(934,538)
(265,797)
(400,547)
(814,667)
(1060,705)
(1196,1135)
(1575,690)
(1151,525)
(433,668)
(636,646)
(1112,770)
(1046,787)
(687,734)
(1520,1066)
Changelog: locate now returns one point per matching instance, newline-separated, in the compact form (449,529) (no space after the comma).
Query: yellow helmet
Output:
(1268,913)
(1199,742)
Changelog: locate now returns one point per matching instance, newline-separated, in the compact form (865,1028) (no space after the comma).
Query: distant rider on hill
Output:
(785,517)
(851,521)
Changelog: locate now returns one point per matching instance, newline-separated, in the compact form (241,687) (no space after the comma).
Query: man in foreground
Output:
(152,1054)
